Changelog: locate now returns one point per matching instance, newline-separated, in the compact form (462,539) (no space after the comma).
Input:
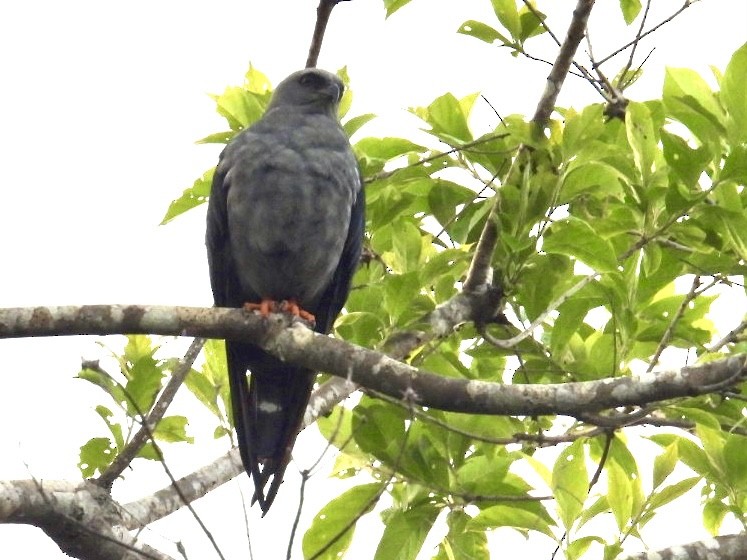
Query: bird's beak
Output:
(335,92)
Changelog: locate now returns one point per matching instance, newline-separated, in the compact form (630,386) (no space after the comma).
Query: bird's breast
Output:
(288,217)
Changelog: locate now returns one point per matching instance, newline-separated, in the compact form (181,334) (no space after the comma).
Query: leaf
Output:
(570,483)
(483,32)
(576,238)
(508,15)
(385,149)
(630,10)
(735,451)
(394,5)
(95,455)
(689,99)
(340,514)
(619,494)
(733,94)
(218,137)
(595,178)
(641,137)
(518,517)
(239,107)
(354,124)
(447,119)
(461,543)
(664,464)
(173,429)
(193,196)
(671,492)
(405,533)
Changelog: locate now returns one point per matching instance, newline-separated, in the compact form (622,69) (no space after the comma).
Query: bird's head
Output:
(312,90)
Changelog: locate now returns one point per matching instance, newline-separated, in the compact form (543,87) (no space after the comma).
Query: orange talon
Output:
(265,307)
(292,307)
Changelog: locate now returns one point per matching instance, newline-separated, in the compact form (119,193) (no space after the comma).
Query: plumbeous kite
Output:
(284,232)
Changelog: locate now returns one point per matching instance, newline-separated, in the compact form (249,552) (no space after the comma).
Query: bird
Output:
(285,228)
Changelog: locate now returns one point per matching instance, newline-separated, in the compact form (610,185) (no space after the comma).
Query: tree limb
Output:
(295,343)
(81,518)
(727,547)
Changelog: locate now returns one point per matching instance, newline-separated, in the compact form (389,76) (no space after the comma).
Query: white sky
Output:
(100,105)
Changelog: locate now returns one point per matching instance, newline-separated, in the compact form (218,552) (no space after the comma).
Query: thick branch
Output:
(727,547)
(81,518)
(295,343)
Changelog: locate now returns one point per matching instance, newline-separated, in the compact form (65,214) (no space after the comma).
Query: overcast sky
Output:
(100,105)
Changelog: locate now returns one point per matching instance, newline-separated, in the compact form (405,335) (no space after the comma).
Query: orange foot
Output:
(292,307)
(267,306)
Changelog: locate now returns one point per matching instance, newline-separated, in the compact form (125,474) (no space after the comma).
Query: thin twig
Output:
(684,7)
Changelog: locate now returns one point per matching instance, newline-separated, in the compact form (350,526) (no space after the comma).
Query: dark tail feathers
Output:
(267,412)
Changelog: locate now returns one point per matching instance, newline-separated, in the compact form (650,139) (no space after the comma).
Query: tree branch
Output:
(81,518)
(323,11)
(291,341)
(727,547)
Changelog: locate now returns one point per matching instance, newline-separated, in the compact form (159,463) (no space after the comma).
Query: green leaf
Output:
(570,483)
(218,138)
(173,429)
(195,195)
(354,124)
(619,494)
(405,533)
(641,137)
(461,543)
(483,32)
(733,94)
(114,428)
(576,238)
(671,492)
(595,178)
(340,514)
(239,107)
(95,455)
(735,451)
(735,165)
(714,512)
(447,119)
(394,5)
(508,15)
(664,464)
(630,9)
(379,429)
(518,517)
(688,98)
(104,381)
(531,22)
(481,475)
(385,149)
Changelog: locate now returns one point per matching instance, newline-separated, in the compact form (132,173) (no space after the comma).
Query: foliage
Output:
(648,211)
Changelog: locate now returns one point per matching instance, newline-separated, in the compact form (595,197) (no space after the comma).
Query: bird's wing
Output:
(336,293)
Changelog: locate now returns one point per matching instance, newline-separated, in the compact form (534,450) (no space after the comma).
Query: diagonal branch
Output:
(123,460)
(323,12)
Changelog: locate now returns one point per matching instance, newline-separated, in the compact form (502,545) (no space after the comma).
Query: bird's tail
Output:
(267,413)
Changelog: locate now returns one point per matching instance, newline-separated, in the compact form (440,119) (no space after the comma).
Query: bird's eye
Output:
(308,80)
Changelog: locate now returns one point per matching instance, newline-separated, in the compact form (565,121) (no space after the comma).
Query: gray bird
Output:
(284,224)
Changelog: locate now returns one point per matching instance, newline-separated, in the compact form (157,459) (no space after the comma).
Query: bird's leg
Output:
(265,307)
(291,306)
